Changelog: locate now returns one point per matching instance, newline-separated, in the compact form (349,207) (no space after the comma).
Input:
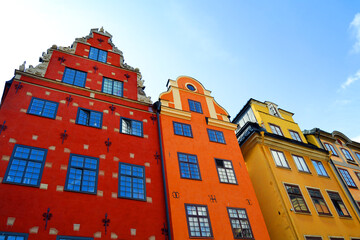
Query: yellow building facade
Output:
(298,192)
(345,160)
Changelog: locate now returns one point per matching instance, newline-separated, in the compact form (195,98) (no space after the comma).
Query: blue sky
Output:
(302,55)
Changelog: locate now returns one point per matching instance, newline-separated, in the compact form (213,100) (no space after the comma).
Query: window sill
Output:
(285,168)
(352,162)
(142,136)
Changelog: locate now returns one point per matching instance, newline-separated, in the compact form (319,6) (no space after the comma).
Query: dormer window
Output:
(273,110)
(97,54)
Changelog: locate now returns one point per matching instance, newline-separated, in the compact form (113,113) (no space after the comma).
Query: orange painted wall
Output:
(199,192)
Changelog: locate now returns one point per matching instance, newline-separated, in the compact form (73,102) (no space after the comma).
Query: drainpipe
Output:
(157,106)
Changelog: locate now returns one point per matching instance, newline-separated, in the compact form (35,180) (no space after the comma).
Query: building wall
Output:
(75,213)
(175,108)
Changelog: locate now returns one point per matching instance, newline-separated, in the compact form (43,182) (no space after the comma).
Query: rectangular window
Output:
(347,154)
(26,166)
(240,223)
(319,167)
(43,108)
(198,221)
(312,238)
(357,155)
(189,166)
(112,87)
(338,204)
(89,118)
(358,175)
(98,54)
(348,179)
(295,135)
(74,77)
(330,148)
(182,129)
(301,164)
(132,127)
(72,238)
(225,171)
(216,136)
(195,106)
(319,202)
(337,238)
(276,129)
(296,198)
(13,236)
(132,181)
(279,159)
(82,174)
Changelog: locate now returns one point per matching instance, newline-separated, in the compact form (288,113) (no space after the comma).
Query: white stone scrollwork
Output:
(40,69)
(141,93)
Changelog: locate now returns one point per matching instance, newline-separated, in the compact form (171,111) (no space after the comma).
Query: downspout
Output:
(341,181)
(157,106)
(292,224)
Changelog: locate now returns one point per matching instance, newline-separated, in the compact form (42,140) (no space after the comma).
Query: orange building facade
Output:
(209,190)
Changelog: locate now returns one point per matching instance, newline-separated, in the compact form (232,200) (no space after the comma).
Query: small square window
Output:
(338,204)
(216,136)
(348,179)
(132,181)
(301,164)
(189,166)
(82,174)
(98,54)
(113,87)
(195,106)
(131,127)
(319,167)
(13,236)
(89,118)
(296,198)
(357,174)
(26,166)
(43,108)
(279,158)
(226,171)
(319,202)
(198,221)
(74,77)
(276,129)
(331,149)
(182,129)
(295,135)
(347,155)
(240,223)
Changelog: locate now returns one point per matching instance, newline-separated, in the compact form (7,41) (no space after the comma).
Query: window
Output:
(42,107)
(337,238)
(312,238)
(13,236)
(296,198)
(338,204)
(319,167)
(295,135)
(72,238)
(132,181)
(301,164)
(82,174)
(89,118)
(273,110)
(279,158)
(182,129)
(276,129)
(97,54)
(331,149)
(195,106)
(198,220)
(74,77)
(190,87)
(240,223)
(319,202)
(358,175)
(357,155)
(348,179)
(225,171)
(347,154)
(26,166)
(132,127)
(216,136)
(189,166)
(112,87)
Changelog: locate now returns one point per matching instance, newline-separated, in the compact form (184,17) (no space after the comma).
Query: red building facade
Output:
(79,148)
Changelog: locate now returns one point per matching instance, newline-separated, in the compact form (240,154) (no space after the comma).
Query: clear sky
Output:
(302,55)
